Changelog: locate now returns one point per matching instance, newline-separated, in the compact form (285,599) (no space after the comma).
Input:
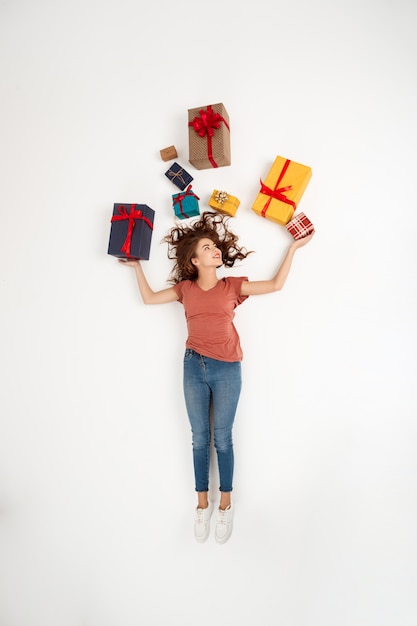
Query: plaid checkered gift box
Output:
(300,226)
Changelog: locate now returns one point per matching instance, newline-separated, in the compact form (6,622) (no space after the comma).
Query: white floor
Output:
(96,489)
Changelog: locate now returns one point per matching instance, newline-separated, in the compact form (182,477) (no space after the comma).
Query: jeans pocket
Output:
(188,355)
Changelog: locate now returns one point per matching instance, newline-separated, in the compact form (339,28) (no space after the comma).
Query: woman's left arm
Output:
(259,287)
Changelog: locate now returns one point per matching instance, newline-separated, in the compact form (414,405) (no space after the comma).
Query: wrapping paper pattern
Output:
(300,226)
(209,136)
(131,231)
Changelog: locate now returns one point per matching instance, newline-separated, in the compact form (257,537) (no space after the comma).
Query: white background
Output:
(96,480)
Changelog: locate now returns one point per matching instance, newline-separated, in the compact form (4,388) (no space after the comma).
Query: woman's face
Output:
(207,254)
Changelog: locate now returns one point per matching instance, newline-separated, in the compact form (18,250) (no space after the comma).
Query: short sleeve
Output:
(179,290)
(235,283)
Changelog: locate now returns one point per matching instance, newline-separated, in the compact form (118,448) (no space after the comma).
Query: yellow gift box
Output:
(282,190)
(224,202)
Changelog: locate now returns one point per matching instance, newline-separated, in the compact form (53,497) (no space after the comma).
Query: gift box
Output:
(179,176)
(224,202)
(209,136)
(282,190)
(300,226)
(168,154)
(131,231)
(185,204)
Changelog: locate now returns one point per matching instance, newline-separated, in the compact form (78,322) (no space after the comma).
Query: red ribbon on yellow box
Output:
(206,123)
(282,190)
(277,192)
(135,214)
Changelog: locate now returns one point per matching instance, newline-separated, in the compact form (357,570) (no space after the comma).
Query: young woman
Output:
(213,355)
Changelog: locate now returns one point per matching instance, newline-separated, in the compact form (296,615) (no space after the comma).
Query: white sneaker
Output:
(224,524)
(202,523)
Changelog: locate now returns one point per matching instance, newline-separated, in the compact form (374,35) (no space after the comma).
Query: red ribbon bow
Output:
(277,192)
(135,214)
(179,197)
(206,124)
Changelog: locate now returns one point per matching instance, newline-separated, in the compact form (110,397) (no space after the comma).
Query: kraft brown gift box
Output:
(209,136)
(168,154)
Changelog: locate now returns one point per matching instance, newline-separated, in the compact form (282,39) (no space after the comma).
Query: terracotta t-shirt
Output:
(209,316)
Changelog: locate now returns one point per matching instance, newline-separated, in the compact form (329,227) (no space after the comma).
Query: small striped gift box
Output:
(300,226)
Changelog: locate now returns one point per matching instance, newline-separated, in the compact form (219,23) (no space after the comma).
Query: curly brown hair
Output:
(182,242)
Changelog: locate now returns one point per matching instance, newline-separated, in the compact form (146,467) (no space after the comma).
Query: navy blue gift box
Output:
(131,231)
(179,176)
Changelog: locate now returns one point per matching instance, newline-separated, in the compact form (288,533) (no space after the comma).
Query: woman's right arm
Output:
(148,295)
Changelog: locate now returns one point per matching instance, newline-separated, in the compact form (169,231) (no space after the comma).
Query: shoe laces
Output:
(223,517)
(200,516)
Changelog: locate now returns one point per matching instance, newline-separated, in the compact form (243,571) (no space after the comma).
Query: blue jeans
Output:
(209,383)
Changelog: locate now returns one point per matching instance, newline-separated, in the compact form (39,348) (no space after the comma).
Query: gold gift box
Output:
(209,136)
(224,202)
(282,190)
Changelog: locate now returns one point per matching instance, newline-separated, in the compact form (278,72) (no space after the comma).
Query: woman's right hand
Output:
(128,262)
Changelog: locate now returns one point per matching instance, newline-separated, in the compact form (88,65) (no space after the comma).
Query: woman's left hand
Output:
(299,243)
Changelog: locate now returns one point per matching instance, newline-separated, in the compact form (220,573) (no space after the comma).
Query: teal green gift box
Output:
(185,204)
